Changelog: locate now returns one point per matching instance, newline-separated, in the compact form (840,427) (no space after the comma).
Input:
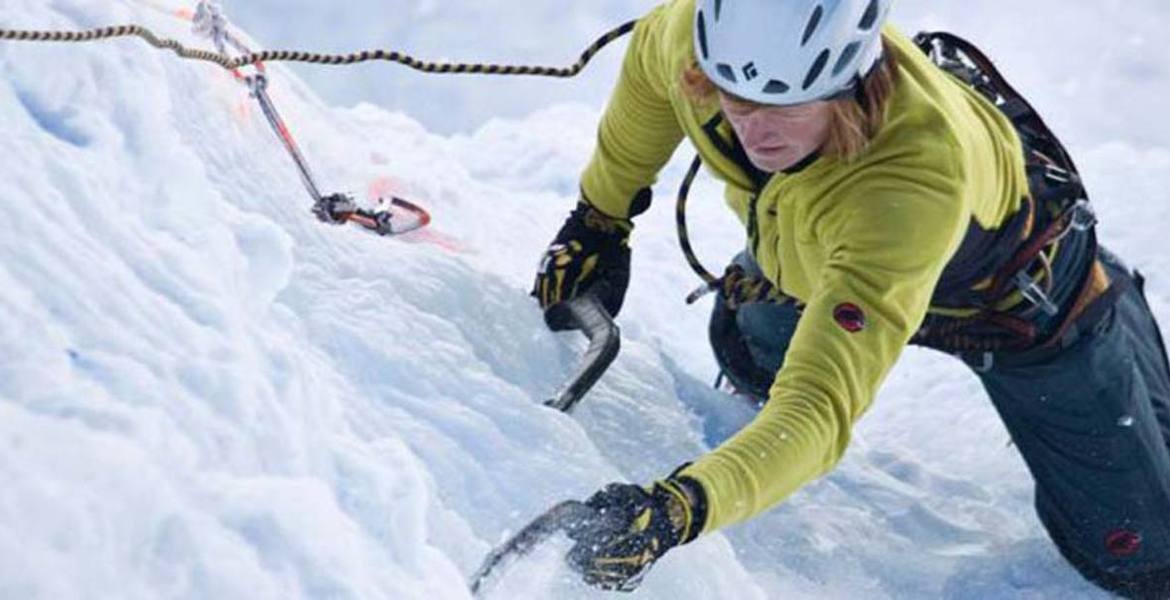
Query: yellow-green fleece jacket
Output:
(867,238)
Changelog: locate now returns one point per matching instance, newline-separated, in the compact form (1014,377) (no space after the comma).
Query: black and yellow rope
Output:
(736,288)
(315,58)
(680,219)
(105,33)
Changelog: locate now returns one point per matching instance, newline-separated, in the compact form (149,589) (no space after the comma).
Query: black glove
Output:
(591,253)
(633,528)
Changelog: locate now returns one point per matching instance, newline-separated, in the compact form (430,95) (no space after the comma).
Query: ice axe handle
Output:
(587,314)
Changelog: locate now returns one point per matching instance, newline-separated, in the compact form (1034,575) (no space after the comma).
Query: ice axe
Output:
(587,314)
(561,517)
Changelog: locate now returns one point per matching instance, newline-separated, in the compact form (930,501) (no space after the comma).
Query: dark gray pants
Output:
(1092,423)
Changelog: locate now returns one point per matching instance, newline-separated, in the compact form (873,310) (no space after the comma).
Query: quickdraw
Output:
(209,21)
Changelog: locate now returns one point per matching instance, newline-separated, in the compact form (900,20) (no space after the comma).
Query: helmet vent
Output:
(775,86)
(726,72)
(847,56)
(718,9)
(817,68)
(813,22)
(702,26)
(869,19)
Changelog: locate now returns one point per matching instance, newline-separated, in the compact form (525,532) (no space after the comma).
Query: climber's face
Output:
(778,137)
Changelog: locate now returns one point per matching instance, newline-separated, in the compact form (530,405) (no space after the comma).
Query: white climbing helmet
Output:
(788,51)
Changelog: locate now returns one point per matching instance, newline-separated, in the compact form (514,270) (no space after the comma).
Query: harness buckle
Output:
(1032,292)
(986,364)
(1083,216)
(257,83)
(1056,174)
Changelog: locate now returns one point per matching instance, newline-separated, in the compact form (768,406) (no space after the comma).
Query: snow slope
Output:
(205,393)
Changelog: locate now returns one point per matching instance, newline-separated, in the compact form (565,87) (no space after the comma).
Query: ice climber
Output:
(887,201)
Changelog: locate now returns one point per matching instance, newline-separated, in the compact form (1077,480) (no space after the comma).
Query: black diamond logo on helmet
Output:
(750,72)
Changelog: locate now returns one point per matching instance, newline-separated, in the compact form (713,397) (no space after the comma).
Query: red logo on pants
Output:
(1123,542)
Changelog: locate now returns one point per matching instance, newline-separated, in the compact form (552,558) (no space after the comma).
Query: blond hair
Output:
(854,122)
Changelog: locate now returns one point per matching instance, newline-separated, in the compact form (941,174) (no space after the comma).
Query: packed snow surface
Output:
(205,393)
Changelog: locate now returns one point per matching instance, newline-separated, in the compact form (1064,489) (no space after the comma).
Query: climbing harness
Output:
(1058,208)
(209,21)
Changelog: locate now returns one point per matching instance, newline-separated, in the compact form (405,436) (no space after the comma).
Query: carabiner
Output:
(1083,216)
(1032,292)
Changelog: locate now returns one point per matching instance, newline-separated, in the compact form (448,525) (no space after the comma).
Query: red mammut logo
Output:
(1123,542)
(850,317)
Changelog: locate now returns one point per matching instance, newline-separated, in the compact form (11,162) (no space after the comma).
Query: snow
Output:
(205,393)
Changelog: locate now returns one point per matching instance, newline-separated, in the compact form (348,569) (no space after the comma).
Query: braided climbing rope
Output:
(230,64)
